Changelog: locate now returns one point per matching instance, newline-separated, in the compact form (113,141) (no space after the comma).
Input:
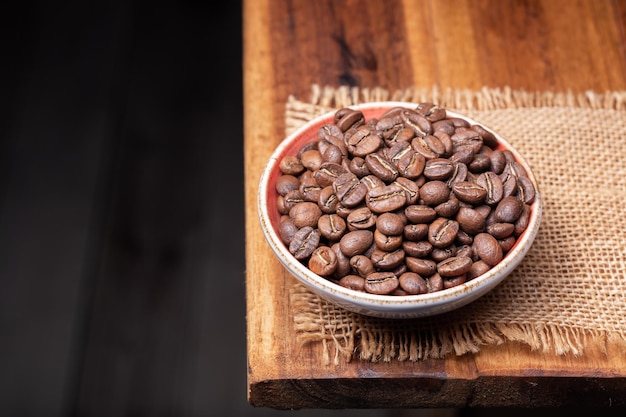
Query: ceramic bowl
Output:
(385,306)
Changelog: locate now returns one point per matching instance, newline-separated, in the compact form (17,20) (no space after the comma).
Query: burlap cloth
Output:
(572,284)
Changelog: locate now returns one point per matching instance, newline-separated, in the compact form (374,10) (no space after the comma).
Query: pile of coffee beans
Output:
(412,202)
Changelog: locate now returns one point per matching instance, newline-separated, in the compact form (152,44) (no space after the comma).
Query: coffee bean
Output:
(469,192)
(385,199)
(323,261)
(353,282)
(304,242)
(362,265)
(413,283)
(356,242)
(442,232)
(331,226)
(434,192)
(381,282)
(487,248)
(509,209)
(454,266)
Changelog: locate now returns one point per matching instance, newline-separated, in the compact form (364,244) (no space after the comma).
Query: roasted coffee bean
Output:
(305,213)
(349,118)
(498,161)
(431,111)
(469,192)
(312,159)
(327,173)
(487,248)
(412,283)
(390,224)
(304,242)
(349,189)
(364,142)
(434,192)
(480,163)
(372,181)
(441,254)
(445,140)
(387,242)
(323,261)
(434,283)
(381,167)
(465,250)
(333,154)
(445,125)
(489,139)
(463,155)
(415,232)
(361,218)
(501,230)
(356,242)
(442,232)
(358,167)
(478,268)
(343,262)
(417,122)
(470,220)
(454,266)
(381,282)
(509,209)
(424,267)
(327,200)
(286,183)
(353,282)
(525,190)
(418,249)
(409,163)
(292,198)
(332,226)
(286,229)
(468,138)
(428,146)
(385,199)
(507,243)
(291,165)
(492,183)
(362,265)
(463,238)
(448,208)
(310,189)
(386,261)
(521,223)
(420,213)
(438,169)
(450,282)
(459,173)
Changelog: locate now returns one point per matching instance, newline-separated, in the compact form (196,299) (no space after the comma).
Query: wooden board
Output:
(534,46)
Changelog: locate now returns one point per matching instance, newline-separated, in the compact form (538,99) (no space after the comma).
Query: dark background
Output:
(122,269)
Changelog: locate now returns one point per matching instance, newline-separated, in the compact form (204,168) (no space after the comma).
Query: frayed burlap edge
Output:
(348,335)
(326,98)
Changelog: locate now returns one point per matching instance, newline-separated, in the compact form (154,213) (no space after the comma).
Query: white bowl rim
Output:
(380,304)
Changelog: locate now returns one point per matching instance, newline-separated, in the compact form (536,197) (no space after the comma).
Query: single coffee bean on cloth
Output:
(568,288)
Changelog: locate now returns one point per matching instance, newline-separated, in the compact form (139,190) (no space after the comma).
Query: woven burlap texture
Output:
(570,287)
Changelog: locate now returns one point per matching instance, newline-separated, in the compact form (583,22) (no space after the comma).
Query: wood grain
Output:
(529,45)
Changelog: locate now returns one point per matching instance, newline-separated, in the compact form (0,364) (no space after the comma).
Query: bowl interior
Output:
(384,305)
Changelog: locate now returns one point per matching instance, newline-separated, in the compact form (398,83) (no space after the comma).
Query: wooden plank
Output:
(460,44)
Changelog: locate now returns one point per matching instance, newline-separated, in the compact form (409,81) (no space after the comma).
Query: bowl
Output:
(385,305)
